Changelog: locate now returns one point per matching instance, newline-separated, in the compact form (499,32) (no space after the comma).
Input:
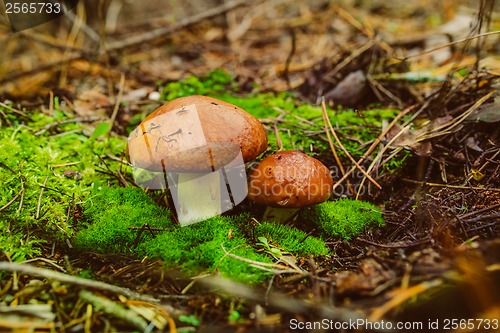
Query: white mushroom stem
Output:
(198,197)
(280,215)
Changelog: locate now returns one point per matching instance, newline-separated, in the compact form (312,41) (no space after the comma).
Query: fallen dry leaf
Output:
(371,274)
(91,103)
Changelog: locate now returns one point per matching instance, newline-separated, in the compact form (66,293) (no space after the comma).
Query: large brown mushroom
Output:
(289,180)
(199,144)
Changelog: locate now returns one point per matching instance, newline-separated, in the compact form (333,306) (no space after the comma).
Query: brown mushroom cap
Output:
(195,134)
(290,179)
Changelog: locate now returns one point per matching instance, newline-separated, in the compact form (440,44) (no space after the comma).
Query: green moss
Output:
(16,245)
(35,153)
(298,128)
(301,125)
(291,240)
(197,248)
(109,214)
(214,82)
(343,218)
(40,147)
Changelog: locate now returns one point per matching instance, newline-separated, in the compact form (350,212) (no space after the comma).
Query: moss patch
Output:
(301,125)
(109,214)
(47,165)
(343,218)
(52,151)
(197,248)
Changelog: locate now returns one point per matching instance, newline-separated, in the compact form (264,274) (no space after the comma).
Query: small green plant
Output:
(234,316)
(272,250)
(343,218)
(396,163)
(289,239)
(86,274)
(100,130)
(189,319)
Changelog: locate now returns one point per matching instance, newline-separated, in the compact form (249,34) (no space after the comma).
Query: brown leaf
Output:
(371,274)
(350,90)
(488,113)
(416,138)
(90,103)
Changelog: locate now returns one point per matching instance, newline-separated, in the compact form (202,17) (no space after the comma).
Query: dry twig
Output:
(284,302)
(373,146)
(332,130)
(402,295)
(131,41)
(460,187)
(49,274)
(486,34)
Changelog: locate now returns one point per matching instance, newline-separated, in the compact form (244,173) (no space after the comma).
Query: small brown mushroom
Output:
(291,180)
(198,143)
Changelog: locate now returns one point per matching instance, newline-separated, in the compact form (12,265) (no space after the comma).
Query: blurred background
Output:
(272,44)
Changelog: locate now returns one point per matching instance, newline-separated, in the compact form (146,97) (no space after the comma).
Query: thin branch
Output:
(347,152)
(393,246)
(87,30)
(480,211)
(382,151)
(117,102)
(450,127)
(483,166)
(115,309)
(257,264)
(131,41)
(279,143)
(42,67)
(66,121)
(5,106)
(403,295)
(477,188)
(484,226)
(20,193)
(49,274)
(486,34)
(330,142)
(13,199)
(285,302)
(374,145)
(347,60)
(482,218)
(151,35)
(42,188)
